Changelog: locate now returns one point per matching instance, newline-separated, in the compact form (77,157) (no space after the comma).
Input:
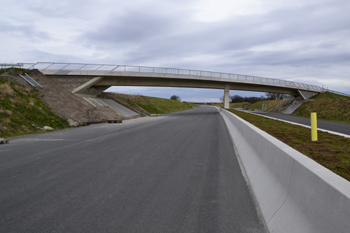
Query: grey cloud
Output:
(60,9)
(155,35)
(134,27)
(25,31)
(36,55)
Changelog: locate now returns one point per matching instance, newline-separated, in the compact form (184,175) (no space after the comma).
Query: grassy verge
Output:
(155,105)
(331,151)
(329,106)
(13,71)
(330,96)
(22,111)
(271,104)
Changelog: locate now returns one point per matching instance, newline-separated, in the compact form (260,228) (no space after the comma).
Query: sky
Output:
(303,41)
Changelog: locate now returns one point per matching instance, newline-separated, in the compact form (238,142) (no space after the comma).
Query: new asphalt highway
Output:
(175,173)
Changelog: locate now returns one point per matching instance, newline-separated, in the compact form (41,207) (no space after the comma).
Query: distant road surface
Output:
(176,173)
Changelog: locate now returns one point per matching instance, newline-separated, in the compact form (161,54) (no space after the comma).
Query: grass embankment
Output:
(331,151)
(13,71)
(271,104)
(330,96)
(328,106)
(20,108)
(154,105)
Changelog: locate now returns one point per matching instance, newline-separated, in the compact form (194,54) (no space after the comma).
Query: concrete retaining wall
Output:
(293,192)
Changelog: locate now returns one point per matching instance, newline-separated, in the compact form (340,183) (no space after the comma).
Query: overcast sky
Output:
(299,40)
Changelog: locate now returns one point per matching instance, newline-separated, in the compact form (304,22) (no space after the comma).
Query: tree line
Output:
(254,99)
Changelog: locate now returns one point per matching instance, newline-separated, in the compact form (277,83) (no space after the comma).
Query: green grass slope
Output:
(328,106)
(271,104)
(330,96)
(154,105)
(20,108)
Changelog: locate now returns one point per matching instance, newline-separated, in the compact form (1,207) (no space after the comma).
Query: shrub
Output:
(5,89)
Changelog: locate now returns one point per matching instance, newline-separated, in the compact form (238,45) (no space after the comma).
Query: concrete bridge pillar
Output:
(227,96)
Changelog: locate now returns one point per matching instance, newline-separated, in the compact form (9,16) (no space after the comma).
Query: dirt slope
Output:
(65,104)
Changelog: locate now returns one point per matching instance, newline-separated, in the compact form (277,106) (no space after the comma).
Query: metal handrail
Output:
(337,92)
(160,70)
(30,80)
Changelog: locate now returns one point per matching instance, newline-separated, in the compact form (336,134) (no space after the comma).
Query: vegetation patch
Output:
(23,112)
(330,96)
(331,151)
(328,106)
(271,104)
(154,105)
(13,71)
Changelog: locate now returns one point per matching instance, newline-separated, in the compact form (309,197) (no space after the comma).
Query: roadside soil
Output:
(64,103)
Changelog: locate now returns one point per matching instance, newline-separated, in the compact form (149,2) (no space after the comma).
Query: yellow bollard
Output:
(313,126)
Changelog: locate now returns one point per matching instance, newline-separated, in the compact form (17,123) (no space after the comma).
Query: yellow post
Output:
(313,126)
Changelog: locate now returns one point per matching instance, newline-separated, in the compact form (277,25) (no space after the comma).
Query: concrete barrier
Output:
(293,192)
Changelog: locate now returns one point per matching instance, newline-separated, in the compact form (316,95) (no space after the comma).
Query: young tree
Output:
(175,97)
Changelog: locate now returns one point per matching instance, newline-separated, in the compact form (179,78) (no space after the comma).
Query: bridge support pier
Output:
(227,96)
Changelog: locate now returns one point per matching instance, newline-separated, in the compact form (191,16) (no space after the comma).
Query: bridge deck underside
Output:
(177,82)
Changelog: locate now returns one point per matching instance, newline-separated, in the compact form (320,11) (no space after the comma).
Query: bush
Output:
(6,90)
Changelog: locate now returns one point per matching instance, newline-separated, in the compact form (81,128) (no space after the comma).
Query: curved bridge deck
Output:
(95,78)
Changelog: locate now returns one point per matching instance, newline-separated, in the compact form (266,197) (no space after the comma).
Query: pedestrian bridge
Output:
(92,79)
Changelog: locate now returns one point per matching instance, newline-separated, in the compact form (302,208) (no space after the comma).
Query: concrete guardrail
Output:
(293,192)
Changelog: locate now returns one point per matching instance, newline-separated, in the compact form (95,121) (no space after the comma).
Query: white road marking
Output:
(40,139)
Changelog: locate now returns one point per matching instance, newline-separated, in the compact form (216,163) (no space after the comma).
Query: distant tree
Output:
(175,97)
(277,96)
(236,99)
(240,99)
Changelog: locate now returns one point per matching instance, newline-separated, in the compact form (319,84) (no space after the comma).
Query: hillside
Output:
(328,106)
(22,111)
(154,105)
(63,102)
(330,96)
(271,104)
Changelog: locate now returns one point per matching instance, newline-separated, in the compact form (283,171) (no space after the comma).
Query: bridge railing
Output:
(337,92)
(160,70)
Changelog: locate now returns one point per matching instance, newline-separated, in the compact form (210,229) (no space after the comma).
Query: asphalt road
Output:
(327,125)
(176,173)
